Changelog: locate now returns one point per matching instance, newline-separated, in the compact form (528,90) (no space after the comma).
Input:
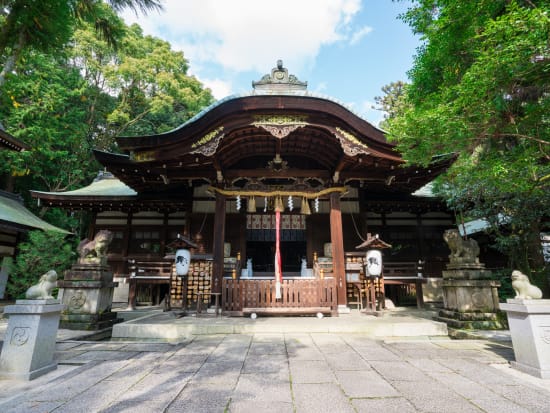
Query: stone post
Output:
(529,322)
(29,343)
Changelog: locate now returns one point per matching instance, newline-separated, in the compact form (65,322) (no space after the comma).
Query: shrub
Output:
(43,251)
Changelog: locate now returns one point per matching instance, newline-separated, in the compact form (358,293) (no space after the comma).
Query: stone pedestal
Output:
(29,343)
(471,295)
(470,299)
(87,292)
(529,322)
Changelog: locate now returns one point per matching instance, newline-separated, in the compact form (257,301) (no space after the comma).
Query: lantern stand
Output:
(373,270)
(182,261)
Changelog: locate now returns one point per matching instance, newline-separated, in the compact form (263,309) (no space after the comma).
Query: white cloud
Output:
(366,111)
(219,88)
(244,35)
(359,34)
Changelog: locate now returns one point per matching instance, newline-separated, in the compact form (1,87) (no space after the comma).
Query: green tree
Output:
(392,102)
(42,252)
(45,109)
(46,26)
(153,91)
(480,88)
(67,103)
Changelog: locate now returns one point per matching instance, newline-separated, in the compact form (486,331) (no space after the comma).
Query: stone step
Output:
(471,324)
(468,316)
(161,326)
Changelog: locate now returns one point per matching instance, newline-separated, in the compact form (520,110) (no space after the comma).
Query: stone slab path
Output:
(281,372)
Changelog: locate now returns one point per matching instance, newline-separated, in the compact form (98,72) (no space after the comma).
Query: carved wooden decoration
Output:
(350,144)
(280,126)
(208,144)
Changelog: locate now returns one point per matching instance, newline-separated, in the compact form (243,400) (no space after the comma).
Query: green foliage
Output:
(42,252)
(65,103)
(393,100)
(505,290)
(44,109)
(480,89)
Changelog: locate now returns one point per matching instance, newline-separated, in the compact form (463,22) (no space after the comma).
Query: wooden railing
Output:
(147,273)
(297,297)
(406,275)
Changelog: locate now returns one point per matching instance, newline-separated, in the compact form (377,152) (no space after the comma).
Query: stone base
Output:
(343,309)
(88,322)
(529,322)
(29,342)
(30,375)
(470,321)
(471,295)
(87,292)
(533,371)
(466,273)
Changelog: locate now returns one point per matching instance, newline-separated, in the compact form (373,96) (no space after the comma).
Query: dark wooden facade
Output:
(278,142)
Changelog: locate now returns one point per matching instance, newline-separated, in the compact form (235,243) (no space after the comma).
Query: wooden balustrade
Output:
(310,296)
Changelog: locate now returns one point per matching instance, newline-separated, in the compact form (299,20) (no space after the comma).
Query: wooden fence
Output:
(240,297)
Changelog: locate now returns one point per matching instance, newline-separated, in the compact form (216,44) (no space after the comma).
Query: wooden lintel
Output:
(269,173)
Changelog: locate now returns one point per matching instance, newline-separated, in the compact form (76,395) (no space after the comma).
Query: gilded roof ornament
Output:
(350,144)
(280,126)
(208,144)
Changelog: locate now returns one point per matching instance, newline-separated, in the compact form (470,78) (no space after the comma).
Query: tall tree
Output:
(66,103)
(47,25)
(392,102)
(480,87)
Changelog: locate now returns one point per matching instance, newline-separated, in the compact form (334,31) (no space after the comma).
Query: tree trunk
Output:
(9,65)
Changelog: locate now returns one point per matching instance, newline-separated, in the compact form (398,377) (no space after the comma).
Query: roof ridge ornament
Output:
(279,81)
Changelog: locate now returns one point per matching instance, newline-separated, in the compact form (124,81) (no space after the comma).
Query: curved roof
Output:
(14,215)
(9,142)
(278,133)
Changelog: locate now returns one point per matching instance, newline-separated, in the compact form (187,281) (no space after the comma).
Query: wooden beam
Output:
(269,173)
(337,240)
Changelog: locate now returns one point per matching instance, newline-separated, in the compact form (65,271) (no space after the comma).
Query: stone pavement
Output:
(280,372)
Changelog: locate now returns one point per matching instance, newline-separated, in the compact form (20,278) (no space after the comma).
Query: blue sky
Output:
(346,49)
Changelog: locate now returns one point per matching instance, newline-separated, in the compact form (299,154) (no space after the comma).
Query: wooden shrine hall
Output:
(279,172)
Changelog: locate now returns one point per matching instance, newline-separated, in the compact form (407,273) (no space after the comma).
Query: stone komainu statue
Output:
(523,287)
(43,290)
(462,251)
(95,251)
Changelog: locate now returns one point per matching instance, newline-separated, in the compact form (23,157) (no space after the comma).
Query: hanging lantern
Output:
(183,258)
(373,258)
(374,263)
(251,205)
(304,208)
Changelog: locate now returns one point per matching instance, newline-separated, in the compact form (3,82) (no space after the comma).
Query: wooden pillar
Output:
(337,240)
(420,236)
(218,240)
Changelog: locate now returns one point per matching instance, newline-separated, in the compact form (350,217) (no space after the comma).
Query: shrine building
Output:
(280,171)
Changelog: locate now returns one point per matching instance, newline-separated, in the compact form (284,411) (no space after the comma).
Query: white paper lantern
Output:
(374,263)
(183,258)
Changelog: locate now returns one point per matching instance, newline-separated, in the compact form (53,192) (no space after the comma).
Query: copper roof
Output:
(14,215)
(7,141)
